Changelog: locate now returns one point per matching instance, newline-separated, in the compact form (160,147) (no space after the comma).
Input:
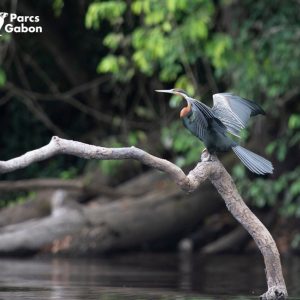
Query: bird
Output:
(229,114)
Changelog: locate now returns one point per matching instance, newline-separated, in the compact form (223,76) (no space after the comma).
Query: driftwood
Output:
(212,170)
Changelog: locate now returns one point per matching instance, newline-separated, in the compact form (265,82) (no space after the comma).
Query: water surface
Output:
(142,276)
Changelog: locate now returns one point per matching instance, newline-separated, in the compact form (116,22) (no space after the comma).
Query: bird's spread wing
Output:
(202,115)
(206,110)
(199,121)
(234,111)
(200,125)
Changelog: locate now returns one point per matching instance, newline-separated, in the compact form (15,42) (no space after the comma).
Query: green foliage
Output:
(18,198)
(116,65)
(257,56)
(266,192)
(112,41)
(294,121)
(110,167)
(169,36)
(69,174)
(2,77)
(264,64)
(260,61)
(217,49)
(166,39)
(291,139)
(136,137)
(58,6)
(99,11)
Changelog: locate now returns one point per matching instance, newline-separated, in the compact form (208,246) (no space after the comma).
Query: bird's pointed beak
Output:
(165,91)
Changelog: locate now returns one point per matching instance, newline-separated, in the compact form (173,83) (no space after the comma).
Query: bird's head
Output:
(183,94)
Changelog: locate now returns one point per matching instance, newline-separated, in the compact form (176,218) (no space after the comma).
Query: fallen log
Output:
(113,225)
(39,206)
(146,222)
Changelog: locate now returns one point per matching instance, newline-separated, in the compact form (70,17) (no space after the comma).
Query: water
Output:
(142,277)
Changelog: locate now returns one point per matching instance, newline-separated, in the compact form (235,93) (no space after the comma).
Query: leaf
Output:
(112,64)
(113,40)
(185,83)
(2,77)
(281,152)
(106,10)
(58,7)
(294,121)
(137,7)
(239,171)
(295,188)
(155,17)
(139,57)
(271,147)
(108,64)
(177,5)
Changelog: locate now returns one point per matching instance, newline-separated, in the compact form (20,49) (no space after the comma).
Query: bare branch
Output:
(212,170)
(63,146)
(68,97)
(40,114)
(6,98)
(31,103)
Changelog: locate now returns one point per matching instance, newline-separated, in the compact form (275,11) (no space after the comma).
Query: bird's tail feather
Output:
(252,161)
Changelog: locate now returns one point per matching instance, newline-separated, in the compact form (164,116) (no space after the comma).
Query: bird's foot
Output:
(206,156)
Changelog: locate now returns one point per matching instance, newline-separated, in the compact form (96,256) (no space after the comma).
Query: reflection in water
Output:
(185,266)
(141,276)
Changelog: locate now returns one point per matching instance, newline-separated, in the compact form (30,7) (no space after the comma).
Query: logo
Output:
(3,15)
(19,24)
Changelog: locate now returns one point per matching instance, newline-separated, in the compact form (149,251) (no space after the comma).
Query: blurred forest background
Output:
(91,75)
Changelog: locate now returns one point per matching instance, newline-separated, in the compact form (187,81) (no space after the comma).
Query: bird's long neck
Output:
(185,111)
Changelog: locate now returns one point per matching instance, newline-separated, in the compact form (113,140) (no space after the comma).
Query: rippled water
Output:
(142,276)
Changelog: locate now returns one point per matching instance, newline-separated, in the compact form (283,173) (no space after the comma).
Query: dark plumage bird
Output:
(230,113)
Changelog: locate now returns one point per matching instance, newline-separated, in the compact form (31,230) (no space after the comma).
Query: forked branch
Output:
(212,170)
